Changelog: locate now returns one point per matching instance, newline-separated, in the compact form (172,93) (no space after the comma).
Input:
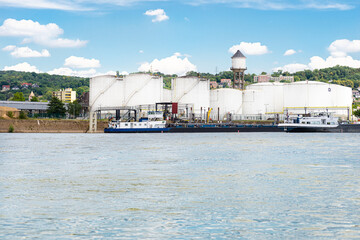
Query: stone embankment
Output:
(48,126)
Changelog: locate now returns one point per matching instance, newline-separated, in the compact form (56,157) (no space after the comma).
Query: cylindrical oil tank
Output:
(317,95)
(224,101)
(106,91)
(140,89)
(166,95)
(131,90)
(264,98)
(253,102)
(191,90)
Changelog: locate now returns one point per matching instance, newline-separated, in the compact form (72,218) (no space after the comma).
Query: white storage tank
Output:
(253,102)
(238,60)
(106,91)
(130,90)
(224,101)
(191,90)
(269,98)
(317,95)
(141,89)
(167,95)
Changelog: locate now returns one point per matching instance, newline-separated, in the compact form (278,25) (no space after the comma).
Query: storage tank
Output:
(130,90)
(270,101)
(224,101)
(106,91)
(253,102)
(167,95)
(238,60)
(317,95)
(140,89)
(191,90)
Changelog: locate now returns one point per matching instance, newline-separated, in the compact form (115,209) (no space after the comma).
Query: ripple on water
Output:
(180,186)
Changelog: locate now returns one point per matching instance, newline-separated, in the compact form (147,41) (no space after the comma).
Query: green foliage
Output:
(74,108)
(34,99)
(356,113)
(11,128)
(22,115)
(46,82)
(10,114)
(18,96)
(56,108)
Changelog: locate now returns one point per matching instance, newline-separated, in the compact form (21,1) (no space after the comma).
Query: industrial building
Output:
(195,100)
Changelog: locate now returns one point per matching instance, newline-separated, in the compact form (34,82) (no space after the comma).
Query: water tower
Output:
(238,68)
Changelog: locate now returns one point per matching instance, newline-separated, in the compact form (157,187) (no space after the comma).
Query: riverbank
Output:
(48,126)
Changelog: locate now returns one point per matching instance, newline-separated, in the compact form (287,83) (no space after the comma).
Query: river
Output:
(180,186)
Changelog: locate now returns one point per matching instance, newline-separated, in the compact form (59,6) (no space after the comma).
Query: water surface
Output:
(180,186)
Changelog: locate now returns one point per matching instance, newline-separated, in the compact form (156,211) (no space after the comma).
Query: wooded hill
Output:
(47,83)
(345,76)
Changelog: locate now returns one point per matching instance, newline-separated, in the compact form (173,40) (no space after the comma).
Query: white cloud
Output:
(338,50)
(47,35)
(170,65)
(279,5)
(82,5)
(341,47)
(22,67)
(159,15)
(25,52)
(9,48)
(289,52)
(80,62)
(43,4)
(249,48)
(84,73)
(70,72)
(319,63)
(291,68)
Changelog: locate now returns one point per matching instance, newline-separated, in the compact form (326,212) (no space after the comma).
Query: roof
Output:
(25,105)
(238,54)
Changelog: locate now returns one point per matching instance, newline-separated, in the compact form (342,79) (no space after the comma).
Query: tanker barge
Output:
(162,127)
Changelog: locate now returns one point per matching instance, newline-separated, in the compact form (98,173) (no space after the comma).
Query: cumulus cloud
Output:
(249,48)
(170,65)
(158,14)
(80,62)
(9,48)
(317,62)
(25,52)
(291,68)
(71,72)
(83,73)
(22,67)
(47,35)
(289,52)
(341,47)
(338,49)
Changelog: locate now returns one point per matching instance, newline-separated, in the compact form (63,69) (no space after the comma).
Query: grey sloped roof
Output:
(238,54)
(25,105)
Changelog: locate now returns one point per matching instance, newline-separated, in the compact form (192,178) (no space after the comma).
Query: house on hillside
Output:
(5,88)
(26,85)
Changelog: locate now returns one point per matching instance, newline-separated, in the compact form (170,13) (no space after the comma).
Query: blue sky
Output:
(87,37)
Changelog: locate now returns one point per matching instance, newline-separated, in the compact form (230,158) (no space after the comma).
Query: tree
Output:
(34,99)
(357,113)
(74,108)
(18,96)
(56,108)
